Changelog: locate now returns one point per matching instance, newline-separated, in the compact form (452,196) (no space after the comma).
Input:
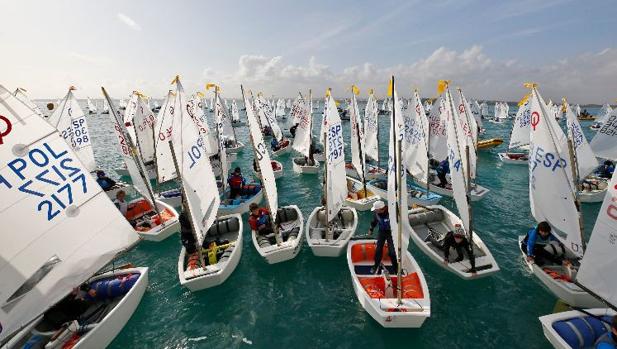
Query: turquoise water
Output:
(309,302)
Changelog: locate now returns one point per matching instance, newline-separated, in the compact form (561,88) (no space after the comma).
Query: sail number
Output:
(49,174)
(76,133)
(7,128)
(548,160)
(335,143)
(195,152)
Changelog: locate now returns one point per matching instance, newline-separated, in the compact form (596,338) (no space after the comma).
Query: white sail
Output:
(235,114)
(357,138)
(457,152)
(61,227)
(297,109)
(551,192)
(597,272)
(20,93)
(129,114)
(263,159)
(469,133)
(371,129)
(604,114)
(265,112)
(438,147)
(501,110)
(395,159)
(198,181)
(336,185)
(70,120)
(221,117)
(416,139)
(143,126)
(604,143)
(164,126)
(220,120)
(585,160)
(196,112)
(134,164)
(484,109)
(477,113)
(280,108)
(91,106)
(302,141)
(520,128)
(577,110)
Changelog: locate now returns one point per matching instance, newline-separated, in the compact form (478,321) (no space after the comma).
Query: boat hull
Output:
(329,247)
(551,334)
(303,169)
(165,229)
(286,250)
(507,160)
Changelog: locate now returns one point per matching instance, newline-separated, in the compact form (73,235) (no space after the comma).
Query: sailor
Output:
(186,233)
(382,220)
(609,339)
(459,241)
(121,203)
(274,143)
(259,220)
(534,243)
(442,170)
(606,169)
(105,182)
(236,181)
(292,130)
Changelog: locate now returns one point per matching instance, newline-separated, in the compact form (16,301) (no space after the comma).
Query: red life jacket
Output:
(235,181)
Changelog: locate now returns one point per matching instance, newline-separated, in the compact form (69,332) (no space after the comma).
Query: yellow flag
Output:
(141,95)
(390,88)
(564,103)
(355,90)
(175,80)
(211,85)
(523,100)
(200,94)
(337,103)
(371,91)
(530,85)
(442,85)
(328,92)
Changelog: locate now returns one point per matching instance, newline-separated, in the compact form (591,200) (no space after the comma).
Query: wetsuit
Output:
(442,170)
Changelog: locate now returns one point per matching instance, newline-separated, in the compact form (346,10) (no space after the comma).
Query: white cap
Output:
(378,205)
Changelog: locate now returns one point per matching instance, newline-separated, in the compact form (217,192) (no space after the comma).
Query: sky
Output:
(488,48)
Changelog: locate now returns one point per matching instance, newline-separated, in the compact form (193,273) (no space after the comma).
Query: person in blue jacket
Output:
(442,170)
(382,219)
(606,169)
(609,339)
(535,242)
(105,182)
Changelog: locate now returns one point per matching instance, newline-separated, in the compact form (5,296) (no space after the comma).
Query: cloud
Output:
(128,21)
(585,78)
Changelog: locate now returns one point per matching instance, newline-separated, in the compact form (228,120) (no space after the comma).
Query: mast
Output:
(575,179)
(428,147)
(325,184)
(257,155)
(357,118)
(133,153)
(219,130)
(397,185)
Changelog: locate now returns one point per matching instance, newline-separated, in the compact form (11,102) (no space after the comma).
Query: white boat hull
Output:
(363,204)
(566,291)
(303,169)
(507,160)
(329,247)
(477,192)
(172,197)
(461,269)
(165,229)
(286,250)
(212,275)
(423,200)
(241,208)
(236,149)
(278,173)
(553,337)
(282,151)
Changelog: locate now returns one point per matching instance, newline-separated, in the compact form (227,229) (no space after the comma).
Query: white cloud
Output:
(128,21)
(587,78)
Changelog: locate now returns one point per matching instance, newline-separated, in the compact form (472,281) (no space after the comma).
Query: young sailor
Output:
(459,241)
(259,220)
(236,181)
(442,170)
(609,339)
(275,144)
(382,219)
(105,182)
(121,203)
(535,242)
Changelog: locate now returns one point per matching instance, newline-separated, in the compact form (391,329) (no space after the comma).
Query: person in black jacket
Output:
(459,241)
(186,233)
(382,219)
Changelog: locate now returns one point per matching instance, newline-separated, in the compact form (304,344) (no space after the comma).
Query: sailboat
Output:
(330,227)
(416,156)
(358,196)
(287,221)
(266,113)
(501,113)
(105,108)
(235,115)
(303,141)
(152,219)
(552,198)
(371,142)
(280,109)
(396,298)
(484,110)
(68,231)
(519,137)
(438,149)
(589,188)
(226,131)
(580,328)
(20,94)
(432,224)
(477,114)
(122,105)
(219,237)
(91,107)
(604,143)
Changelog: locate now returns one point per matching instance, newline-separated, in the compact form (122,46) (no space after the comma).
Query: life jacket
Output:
(383,222)
(606,338)
(235,181)
(444,167)
(212,255)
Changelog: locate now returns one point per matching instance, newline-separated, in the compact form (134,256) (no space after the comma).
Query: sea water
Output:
(309,302)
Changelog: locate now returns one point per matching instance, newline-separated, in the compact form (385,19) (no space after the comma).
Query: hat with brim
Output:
(378,205)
